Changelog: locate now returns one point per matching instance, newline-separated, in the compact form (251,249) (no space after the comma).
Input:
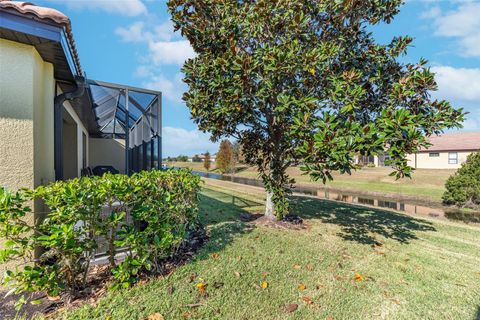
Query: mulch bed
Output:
(99,278)
(289,222)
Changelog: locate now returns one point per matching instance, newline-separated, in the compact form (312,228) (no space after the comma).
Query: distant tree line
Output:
(180,158)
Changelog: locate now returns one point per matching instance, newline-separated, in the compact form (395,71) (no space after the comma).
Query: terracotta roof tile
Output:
(46,14)
(455,142)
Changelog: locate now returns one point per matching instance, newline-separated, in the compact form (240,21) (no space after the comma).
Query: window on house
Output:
(452,158)
(434,154)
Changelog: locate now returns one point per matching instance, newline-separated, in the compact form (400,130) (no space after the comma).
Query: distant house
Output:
(448,151)
(201,158)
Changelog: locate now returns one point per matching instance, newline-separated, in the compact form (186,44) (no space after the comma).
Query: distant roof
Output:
(30,10)
(461,141)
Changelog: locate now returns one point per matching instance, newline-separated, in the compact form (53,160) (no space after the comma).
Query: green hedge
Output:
(463,188)
(147,214)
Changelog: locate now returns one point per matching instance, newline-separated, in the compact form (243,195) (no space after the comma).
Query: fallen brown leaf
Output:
(194,305)
(358,277)
(307,300)
(215,255)
(309,267)
(297,266)
(292,307)
(155,316)
(329,318)
(237,274)
(55,298)
(302,287)
(239,258)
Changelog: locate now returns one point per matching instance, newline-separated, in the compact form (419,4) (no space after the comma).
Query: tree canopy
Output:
(225,161)
(305,82)
(207,162)
(463,188)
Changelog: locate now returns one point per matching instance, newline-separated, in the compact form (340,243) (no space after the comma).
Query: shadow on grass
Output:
(477,317)
(361,224)
(241,168)
(220,212)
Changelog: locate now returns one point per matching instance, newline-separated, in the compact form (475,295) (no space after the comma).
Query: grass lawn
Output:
(408,268)
(426,183)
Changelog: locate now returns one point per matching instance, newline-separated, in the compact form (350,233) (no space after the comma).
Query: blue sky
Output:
(132,42)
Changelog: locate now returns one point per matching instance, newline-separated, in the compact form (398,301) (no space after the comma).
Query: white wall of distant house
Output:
(439,159)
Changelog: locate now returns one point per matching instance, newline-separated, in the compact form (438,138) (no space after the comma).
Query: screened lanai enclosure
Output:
(132,115)
(113,127)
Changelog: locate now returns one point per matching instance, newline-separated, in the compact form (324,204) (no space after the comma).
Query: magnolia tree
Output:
(305,82)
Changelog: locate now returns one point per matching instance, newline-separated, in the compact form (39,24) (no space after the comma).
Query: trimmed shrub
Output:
(146,214)
(463,188)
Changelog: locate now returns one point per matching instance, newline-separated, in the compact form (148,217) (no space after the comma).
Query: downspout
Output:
(58,122)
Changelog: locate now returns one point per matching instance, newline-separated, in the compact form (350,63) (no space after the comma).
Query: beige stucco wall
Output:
(424,161)
(43,121)
(107,152)
(27,89)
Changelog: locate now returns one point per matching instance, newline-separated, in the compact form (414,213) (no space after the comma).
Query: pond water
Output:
(409,207)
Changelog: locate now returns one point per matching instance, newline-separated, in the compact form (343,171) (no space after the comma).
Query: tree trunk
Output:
(269,207)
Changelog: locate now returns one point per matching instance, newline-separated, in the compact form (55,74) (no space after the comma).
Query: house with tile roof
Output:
(54,122)
(447,151)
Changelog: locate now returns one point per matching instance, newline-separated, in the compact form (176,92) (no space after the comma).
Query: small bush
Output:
(146,214)
(463,188)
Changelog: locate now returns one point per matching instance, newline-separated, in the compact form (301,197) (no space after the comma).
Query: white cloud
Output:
(458,83)
(164,48)
(431,13)
(462,24)
(124,7)
(136,32)
(472,122)
(178,141)
(170,52)
(460,86)
(171,89)
(132,33)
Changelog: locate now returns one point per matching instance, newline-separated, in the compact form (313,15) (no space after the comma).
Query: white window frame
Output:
(453,160)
